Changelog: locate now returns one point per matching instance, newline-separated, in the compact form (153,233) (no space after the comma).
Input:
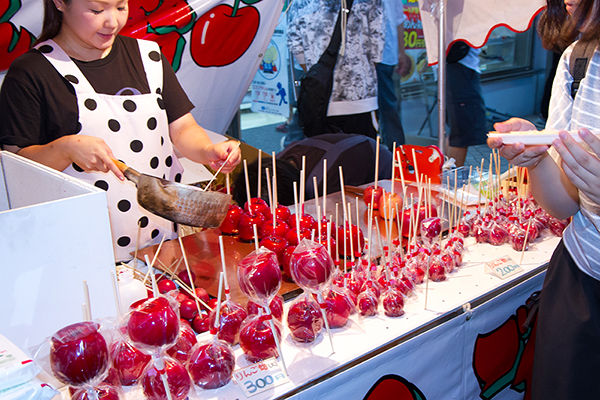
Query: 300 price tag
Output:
(503,267)
(257,378)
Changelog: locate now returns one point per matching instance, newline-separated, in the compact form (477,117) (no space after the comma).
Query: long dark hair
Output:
(558,29)
(52,21)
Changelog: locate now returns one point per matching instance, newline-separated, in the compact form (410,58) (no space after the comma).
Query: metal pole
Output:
(442,77)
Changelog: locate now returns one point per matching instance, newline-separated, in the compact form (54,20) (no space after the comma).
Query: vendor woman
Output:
(86,95)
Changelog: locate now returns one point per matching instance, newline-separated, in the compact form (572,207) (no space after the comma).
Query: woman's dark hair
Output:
(287,174)
(52,21)
(558,29)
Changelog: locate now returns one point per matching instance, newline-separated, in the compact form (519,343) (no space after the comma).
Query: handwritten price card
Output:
(503,267)
(260,377)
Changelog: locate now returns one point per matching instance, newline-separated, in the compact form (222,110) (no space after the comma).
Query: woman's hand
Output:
(581,167)
(518,154)
(90,154)
(226,154)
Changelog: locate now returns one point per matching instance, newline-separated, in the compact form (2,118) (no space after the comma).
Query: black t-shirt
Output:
(38,106)
(354,153)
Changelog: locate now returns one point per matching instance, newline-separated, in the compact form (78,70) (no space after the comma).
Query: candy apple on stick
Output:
(211,363)
(259,278)
(304,319)
(313,269)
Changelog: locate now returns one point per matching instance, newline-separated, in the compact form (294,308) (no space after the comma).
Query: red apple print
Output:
(13,42)
(223,34)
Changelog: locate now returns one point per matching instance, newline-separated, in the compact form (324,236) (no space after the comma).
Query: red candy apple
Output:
(307,221)
(431,228)
(276,306)
(287,258)
(79,354)
(259,275)
(185,278)
(367,303)
(188,309)
(230,320)
(282,213)
(153,323)
(311,266)
(202,294)
(201,322)
(246,226)
(339,307)
(393,303)
(352,233)
(128,362)
(372,195)
(267,229)
(165,285)
(257,205)
(276,244)
(231,223)
(184,344)
(103,392)
(292,236)
(211,364)
(257,340)
(304,319)
(177,377)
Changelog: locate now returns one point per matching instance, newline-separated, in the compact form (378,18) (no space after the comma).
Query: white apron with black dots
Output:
(135,127)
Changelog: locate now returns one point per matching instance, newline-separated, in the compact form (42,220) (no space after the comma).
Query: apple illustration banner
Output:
(487,356)
(215,46)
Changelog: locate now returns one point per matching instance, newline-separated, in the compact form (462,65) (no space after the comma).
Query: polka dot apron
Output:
(135,127)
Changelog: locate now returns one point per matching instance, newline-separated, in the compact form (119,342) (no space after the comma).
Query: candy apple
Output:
(257,205)
(332,243)
(275,305)
(231,223)
(372,195)
(181,296)
(188,309)
(307,221)
(339,307)
(276,244)
(212,303)
(103,392)
(480,233)
(178,380)
(367,304)
(405,285)
(305,320)
(497,235)
(185,278)
(517,240)
(387,200)
(230,321)
(311,265)
(282,213)
(437,272)
(211,364)
(259,275)
(352,233)
(246,225)
(184,344)
(201,322)
(287,257)
(257,340)
(292,236)
(267,229)
(431,228)
(165,285)
(78,353)
(153,323)
(393,303)
(128,362)
(202,294)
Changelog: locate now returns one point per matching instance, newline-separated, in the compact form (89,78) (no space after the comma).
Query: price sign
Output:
(503,267)
(260,377)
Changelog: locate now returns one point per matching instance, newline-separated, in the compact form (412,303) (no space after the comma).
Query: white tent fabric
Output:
(473,20)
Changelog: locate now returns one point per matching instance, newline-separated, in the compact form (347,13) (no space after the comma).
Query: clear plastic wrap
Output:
(392,300)
(154,324)
(162,374)
(231,316)
(276,306)
(259,275)
(211,364)
(127,361)
(257,339)
(338,307)
(100,392)
(304,319)
(183,345)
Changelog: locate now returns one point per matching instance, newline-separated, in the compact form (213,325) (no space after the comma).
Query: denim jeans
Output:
(390,126)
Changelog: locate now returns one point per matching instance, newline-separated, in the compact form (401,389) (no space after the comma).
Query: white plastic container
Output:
(130,289)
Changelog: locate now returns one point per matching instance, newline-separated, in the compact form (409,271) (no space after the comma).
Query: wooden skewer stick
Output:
(416,169)
(343,194)
(87,305)
(302,184)
(221,167)
(275,195)
(217,325)
(377,161)
(189,272)
(248,195)
(258,189)
(401,172)
(255,237)
(228,184)
(155,291)
(224,268)
(324,187)
(525,241)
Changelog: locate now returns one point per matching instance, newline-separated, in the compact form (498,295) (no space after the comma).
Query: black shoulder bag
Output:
(578,63)
(316,86)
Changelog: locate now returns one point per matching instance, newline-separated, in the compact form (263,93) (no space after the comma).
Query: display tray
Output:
(544,137)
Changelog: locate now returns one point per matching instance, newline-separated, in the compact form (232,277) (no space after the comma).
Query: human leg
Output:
(566,362)
(390,126)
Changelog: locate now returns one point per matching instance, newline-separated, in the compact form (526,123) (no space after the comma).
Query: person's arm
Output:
(193,142)
(549,185)
(88,152)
